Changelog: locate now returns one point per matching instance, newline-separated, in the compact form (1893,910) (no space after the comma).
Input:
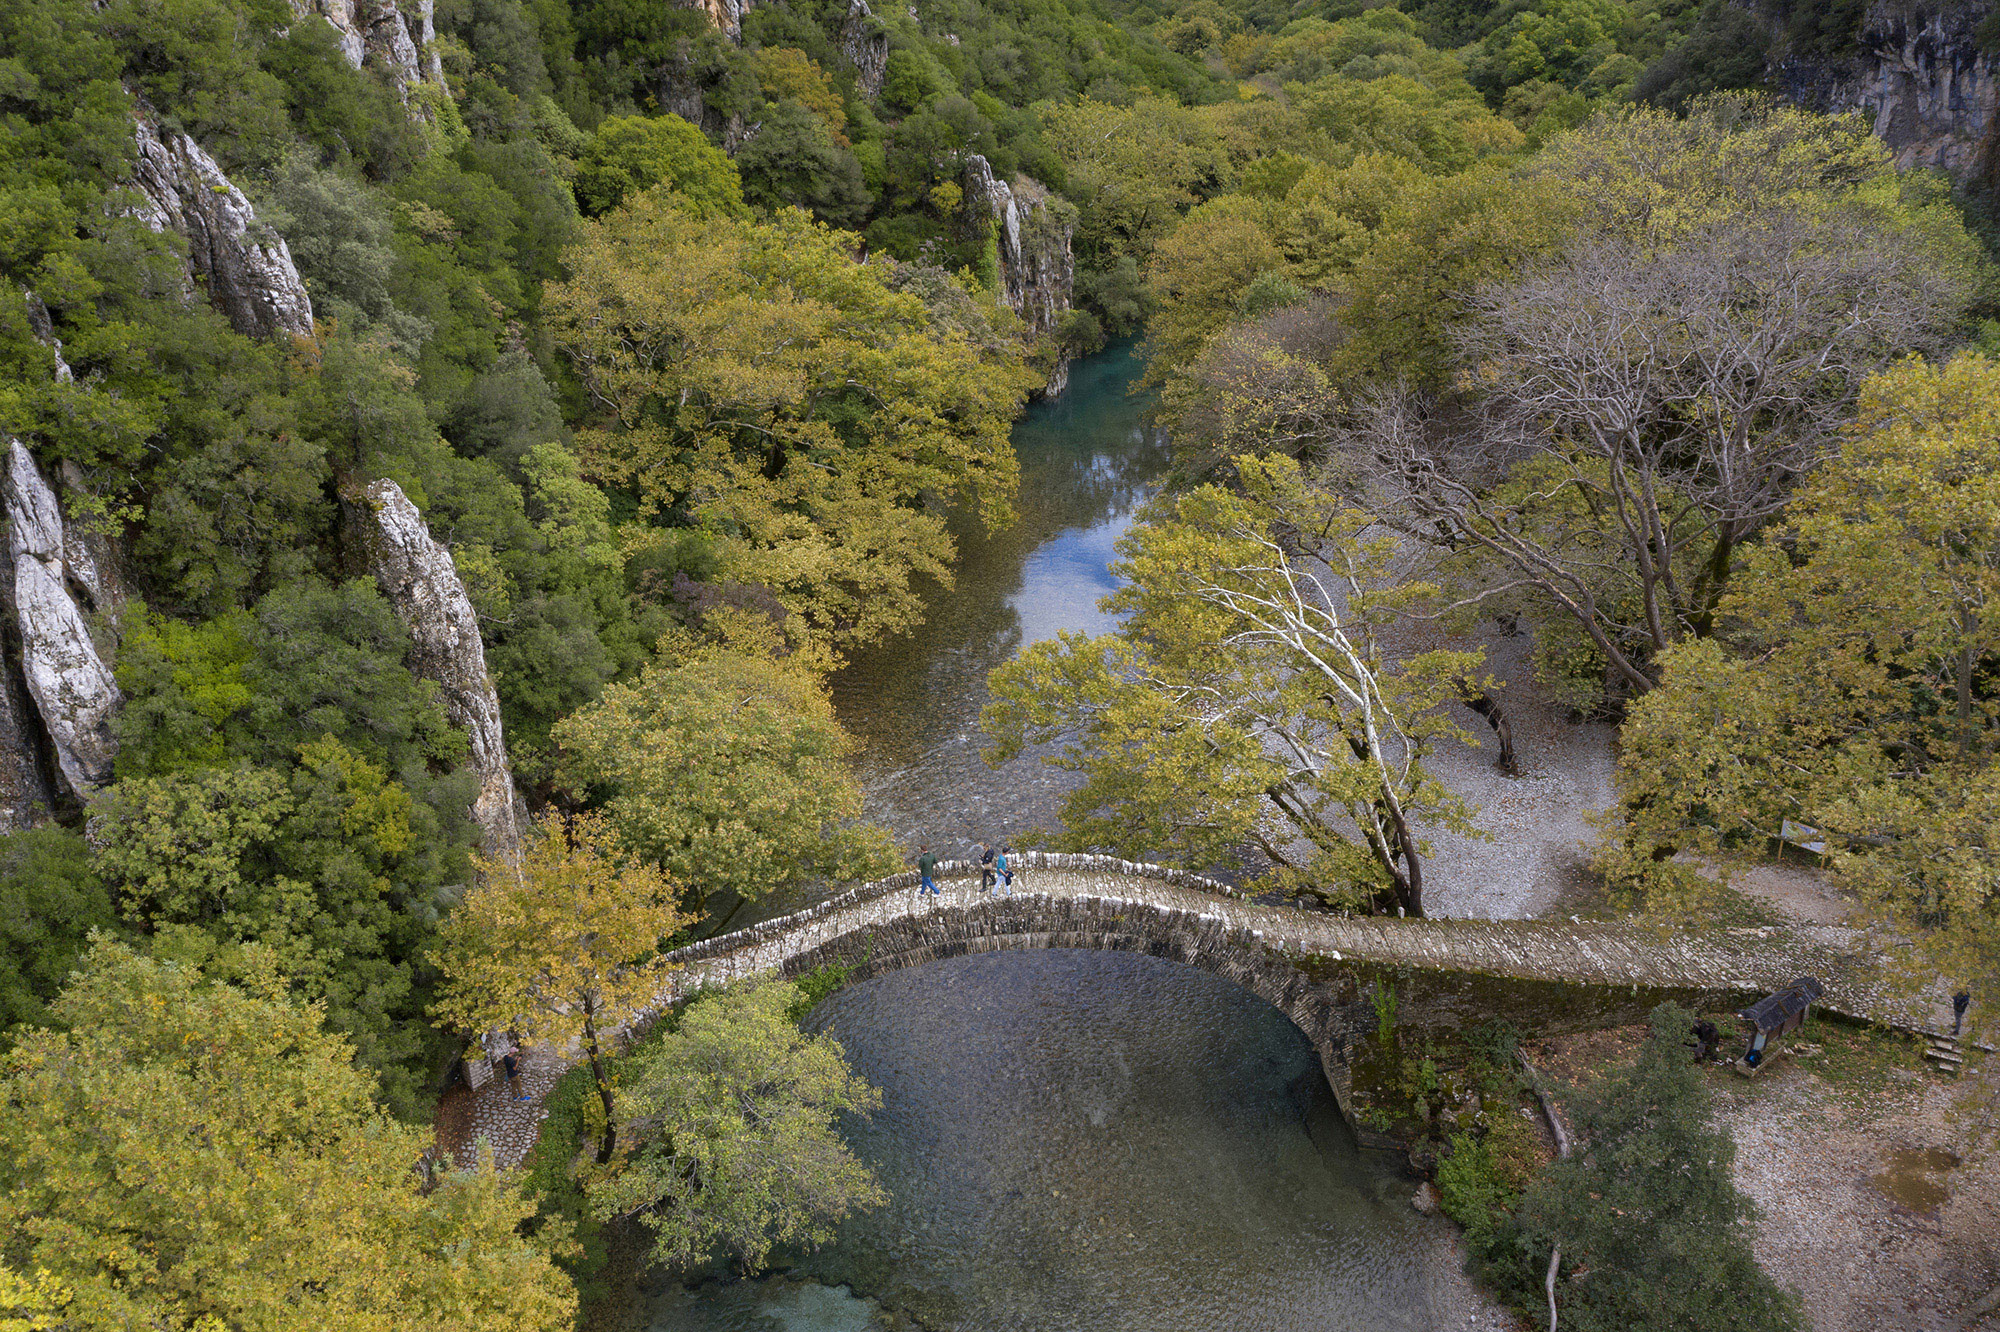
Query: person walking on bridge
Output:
(926,867)
(987,878)
(1006,868)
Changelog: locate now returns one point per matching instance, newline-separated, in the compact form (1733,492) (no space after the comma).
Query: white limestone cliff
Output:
(1033,228)
(246,267)
(418,577)
(72,686)
(1920,76)
(865,43)
(376,32)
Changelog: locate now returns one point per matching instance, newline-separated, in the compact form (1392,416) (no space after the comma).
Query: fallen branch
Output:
(1548,1106)
(1562,1150)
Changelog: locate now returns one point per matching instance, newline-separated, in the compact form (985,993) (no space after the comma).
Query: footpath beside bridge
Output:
(1327,973)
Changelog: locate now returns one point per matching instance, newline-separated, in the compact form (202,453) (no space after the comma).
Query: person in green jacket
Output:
(926,864)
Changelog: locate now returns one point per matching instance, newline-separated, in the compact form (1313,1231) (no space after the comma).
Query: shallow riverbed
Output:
(1099,1141)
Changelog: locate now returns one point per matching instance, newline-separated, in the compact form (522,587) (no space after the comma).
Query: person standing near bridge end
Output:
(1959,1003)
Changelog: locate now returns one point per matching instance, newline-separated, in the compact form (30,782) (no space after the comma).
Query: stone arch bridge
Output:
(1326,973)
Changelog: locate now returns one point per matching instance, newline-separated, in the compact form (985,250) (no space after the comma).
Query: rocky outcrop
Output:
(420,581)
(91,556)
(1919,75)
(865,43)
(245,266)
(682,93)
(686,82)
(44,329)
(375,32)
(25,798)
(1033,228)
(726,15)
(72,687)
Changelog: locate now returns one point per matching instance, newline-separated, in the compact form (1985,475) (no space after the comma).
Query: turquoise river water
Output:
(1072,1141)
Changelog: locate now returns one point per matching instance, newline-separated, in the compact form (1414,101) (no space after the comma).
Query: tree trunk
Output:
(1488,706)
(1410,883)
(1549,1283)
(1709,585)
(610,1139)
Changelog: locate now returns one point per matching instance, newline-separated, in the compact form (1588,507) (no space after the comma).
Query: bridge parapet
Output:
(1326,973)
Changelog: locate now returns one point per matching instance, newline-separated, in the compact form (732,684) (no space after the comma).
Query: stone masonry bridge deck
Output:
(1327,973)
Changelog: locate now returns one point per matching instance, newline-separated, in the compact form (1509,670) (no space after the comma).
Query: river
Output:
(1071,1141)
(1088,461)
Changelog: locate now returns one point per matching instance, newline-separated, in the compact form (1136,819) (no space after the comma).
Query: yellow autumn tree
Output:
(1850,686)
(191,1154)
(560,946)
(731,773)
(753,380)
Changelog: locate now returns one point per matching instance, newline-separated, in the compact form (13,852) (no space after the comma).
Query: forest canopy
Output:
(694,334)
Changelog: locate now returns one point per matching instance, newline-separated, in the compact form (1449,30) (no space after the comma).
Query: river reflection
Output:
(1101,1141)
(1087,463)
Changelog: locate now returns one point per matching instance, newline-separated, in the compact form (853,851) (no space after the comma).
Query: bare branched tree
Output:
(1638,413)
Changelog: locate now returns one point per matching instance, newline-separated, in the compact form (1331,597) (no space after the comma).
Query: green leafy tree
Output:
(1246,697)
(629,154)
(730,772)
(736,1117)
(51,902)
(1851,686)
(1675,369)
(312,659)
(1199,274)
(1649,1222)
(562,945)
(186,1153)
(1131,170)
(756,380)
(797,158)
(330,869)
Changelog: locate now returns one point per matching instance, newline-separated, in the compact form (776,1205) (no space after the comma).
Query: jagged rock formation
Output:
(90,556)
(375,32)
(1037,271)
(44,330)
(246,266)
(682,93)
(1920,77)
(726,15)
(25,798)
(70,683)
(865,43)
(684,89)
(418,577)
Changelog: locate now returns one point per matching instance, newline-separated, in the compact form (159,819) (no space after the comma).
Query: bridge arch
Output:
(1323,972)
(1061,901)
